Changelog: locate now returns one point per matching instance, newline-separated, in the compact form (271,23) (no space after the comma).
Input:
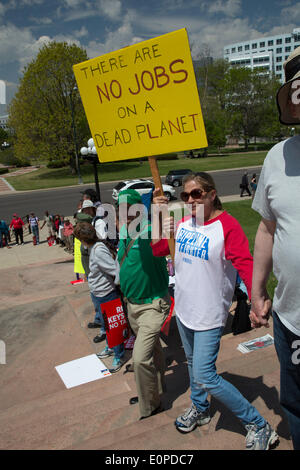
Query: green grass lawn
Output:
(58,177)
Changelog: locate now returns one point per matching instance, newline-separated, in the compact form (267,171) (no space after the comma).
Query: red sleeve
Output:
(160,248)
(237,250)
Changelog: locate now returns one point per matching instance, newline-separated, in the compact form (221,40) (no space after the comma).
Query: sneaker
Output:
(93,324)
(260,438)
(105,353)
(192,418)
(116,365)
(99,338)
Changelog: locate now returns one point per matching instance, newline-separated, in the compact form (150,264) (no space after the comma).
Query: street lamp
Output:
(90,154)
(75,138)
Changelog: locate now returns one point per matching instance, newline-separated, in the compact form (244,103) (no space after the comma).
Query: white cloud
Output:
(80,9)
(291,13)
(121,37)
(111,8)
(81,33)
(41,20)
(230,8)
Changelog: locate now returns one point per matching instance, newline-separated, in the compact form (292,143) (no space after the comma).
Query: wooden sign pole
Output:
(157,183)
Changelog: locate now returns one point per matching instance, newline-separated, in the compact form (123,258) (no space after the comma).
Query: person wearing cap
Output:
(88,207)
(17,226)
(277,247)
(144,282)
(90,194)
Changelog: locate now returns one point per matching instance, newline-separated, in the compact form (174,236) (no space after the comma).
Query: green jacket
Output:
(143,277)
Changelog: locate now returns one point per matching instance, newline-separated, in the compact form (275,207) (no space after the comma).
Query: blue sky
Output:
(102,26)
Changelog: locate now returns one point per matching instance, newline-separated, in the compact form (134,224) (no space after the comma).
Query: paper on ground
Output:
(257,343)
(81,371)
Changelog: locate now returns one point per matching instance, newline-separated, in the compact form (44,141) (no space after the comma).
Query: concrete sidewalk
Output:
(30,254)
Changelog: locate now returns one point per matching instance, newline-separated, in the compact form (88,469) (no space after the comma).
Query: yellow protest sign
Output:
(143,100)
(78,268)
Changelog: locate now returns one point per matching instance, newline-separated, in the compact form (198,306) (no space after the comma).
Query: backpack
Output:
(241,321)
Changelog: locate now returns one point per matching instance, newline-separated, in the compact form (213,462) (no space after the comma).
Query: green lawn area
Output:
(51,178)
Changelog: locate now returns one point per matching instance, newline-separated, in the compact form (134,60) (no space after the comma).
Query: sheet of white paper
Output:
(81,371)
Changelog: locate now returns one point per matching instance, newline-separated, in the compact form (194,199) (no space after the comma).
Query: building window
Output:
(279,41)
(270,43)
(240,48)
(254,45)
(247,47)
(233,50)
(279,50)
(288,49)
(262,44)
(227,51)
(287,40)
(278,67)
(278,59)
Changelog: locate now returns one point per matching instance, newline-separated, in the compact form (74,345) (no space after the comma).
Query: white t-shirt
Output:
(277,199)
(207,259)
(101,229)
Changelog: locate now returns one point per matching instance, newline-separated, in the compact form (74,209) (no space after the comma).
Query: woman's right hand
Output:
(158,198)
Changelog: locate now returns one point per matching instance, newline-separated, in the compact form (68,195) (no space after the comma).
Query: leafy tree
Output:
(238,102)
(3,136)
(41,111)
(212,97)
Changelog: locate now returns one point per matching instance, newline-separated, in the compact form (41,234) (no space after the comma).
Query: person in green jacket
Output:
(144,282)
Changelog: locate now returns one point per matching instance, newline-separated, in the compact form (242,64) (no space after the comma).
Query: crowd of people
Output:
(210,252)
(60,230)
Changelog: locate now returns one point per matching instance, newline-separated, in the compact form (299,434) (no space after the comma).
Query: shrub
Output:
(56,164)
(3,171)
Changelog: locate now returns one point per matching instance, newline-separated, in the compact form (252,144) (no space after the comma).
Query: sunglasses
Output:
(195,194)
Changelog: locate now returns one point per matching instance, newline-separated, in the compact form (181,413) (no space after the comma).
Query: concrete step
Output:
(159,433)
(63,418)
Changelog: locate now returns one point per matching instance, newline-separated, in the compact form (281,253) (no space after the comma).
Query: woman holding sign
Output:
(103,278)
(210,248)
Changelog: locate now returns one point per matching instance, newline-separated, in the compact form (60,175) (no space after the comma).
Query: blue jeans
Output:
(289,360)
(201,350)
(35,232)
(119,350)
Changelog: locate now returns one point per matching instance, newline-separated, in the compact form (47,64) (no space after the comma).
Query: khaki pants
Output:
(148,358)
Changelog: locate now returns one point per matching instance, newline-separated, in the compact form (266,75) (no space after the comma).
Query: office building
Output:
(3,122)
(265,54)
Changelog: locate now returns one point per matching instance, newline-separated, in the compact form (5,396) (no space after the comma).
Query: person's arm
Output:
(237,250)
(159,244)
(101,229)
(260,302)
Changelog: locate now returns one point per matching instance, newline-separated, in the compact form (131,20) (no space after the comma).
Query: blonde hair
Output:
(207,184)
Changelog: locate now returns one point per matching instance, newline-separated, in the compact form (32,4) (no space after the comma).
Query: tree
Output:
(3,136)
(251,104)
(41,111)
